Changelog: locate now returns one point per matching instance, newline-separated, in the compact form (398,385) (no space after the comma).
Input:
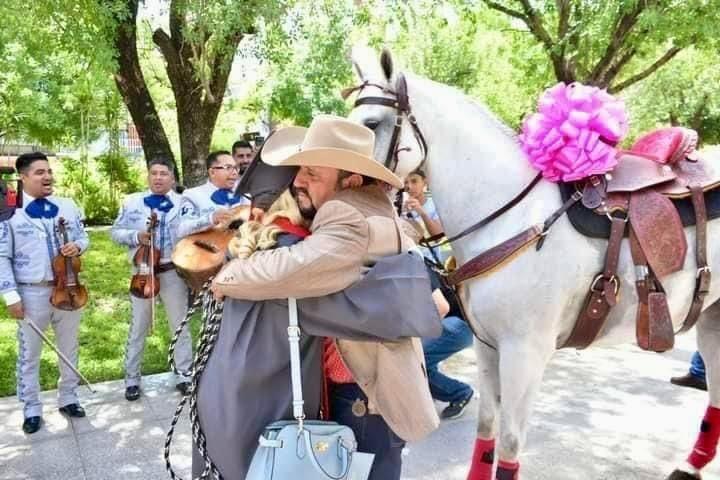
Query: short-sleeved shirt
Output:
(429,207)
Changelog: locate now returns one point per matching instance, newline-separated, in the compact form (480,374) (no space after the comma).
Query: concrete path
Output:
(602,415)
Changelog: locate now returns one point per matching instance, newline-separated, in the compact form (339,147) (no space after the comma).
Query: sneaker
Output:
(456,409)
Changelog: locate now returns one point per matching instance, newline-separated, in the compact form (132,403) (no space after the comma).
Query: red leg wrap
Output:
(706,445)
(507,470)
(482,462)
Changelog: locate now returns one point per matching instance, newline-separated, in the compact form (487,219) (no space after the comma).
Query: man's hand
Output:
(257,214)
(222,215)
(413,205)
(144,238)
(216,292)
(16,311)
(70,249)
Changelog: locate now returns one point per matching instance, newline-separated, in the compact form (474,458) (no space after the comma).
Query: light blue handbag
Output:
(306,450)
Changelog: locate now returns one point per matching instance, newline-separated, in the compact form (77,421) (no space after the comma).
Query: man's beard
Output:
(308,213)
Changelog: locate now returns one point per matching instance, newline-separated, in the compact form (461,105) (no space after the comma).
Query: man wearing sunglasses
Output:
(209,204)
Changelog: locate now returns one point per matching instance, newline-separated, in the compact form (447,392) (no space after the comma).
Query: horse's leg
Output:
(522,363)
(489,394)
(708,333)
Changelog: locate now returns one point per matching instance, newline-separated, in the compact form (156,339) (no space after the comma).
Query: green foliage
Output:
(683,93)
(103,328)
(98,184)
(307,61)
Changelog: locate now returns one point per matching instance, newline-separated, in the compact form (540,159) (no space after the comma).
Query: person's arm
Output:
(327,261)
(8,286)
(79,235)
(432,222)
(393,300)
(121,232)
(190,219)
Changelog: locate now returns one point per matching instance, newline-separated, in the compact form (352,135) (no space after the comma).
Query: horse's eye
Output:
(372,124)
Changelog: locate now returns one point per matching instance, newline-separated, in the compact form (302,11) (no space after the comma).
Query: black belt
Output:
(164,267)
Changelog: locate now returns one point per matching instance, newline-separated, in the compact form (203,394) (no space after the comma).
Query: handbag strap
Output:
(295,370)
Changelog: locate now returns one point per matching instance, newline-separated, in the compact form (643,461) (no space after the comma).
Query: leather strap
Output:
(493,216)
(603,290)
(653,324)
(295,369)
(495,256)
(703,276)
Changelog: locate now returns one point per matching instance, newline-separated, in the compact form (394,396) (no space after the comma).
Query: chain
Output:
(212,311)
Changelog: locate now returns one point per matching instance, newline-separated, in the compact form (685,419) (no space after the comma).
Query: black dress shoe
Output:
(132,393)
(73,410)
(691,381)
(183,387)
(32,425)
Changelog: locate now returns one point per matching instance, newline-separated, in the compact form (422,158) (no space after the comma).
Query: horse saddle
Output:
(660,170)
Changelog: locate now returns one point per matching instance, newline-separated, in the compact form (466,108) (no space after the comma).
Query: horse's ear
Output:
(387,64)
(358,72)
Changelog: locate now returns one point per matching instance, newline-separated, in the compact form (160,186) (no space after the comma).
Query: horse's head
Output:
(378,80)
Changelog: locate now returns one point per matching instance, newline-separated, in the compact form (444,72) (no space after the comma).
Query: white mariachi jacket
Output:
(197,208)
(133,218)
(28,245)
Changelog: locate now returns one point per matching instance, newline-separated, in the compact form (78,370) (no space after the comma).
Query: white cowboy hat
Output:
(330,141)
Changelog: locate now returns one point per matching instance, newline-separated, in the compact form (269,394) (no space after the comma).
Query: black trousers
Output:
(371,432)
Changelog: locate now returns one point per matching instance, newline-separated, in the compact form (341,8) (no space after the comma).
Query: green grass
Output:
(103,328)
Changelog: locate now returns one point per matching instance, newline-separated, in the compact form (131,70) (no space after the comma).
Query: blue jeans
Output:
(372,434)
(456,336)
(697,366)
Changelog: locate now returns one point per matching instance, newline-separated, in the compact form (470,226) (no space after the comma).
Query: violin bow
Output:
(152,280)
(60,355)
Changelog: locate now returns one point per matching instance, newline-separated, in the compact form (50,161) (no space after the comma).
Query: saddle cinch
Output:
(643,198)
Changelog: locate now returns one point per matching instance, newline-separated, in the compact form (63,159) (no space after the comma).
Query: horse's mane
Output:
(453,96)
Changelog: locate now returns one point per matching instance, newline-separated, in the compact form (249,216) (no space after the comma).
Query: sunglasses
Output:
(228,168)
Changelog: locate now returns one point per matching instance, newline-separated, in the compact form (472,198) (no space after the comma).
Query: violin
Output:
(199,256)
(68,293)
(145,284)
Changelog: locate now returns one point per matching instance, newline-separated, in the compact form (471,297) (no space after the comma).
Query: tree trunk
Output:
(133,89)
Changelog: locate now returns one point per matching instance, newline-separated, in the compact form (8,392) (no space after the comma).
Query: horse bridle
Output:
(401,103)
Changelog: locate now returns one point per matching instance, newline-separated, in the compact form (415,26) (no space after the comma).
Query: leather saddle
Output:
(637,197)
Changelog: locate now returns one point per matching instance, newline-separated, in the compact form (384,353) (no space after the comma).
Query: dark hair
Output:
(165,162)
(241,144)
(419,172)
(26,159)
(212,158)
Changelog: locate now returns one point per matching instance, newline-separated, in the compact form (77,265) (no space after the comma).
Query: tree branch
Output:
(667,56)
(623,26)
(505,10)
(563,7)
(615,68)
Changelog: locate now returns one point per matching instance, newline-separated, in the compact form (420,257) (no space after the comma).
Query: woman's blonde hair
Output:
(254,235)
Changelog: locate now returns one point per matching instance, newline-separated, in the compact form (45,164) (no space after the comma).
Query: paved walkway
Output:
(602,415)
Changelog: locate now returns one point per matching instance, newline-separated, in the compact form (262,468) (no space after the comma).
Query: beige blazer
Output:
(349,233)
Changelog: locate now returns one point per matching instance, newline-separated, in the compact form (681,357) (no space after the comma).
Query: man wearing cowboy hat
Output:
(378,388)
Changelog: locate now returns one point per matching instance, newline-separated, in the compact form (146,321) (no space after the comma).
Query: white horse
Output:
(528,307)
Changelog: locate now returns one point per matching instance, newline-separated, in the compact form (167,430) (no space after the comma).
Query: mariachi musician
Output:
(210,204)
(29,244)
(132,229)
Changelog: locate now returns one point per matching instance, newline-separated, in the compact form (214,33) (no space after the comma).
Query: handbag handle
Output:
(345,452)
(295,369)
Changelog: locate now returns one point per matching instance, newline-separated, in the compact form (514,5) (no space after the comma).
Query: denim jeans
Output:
(697,366)
(456,336)
(372,434)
